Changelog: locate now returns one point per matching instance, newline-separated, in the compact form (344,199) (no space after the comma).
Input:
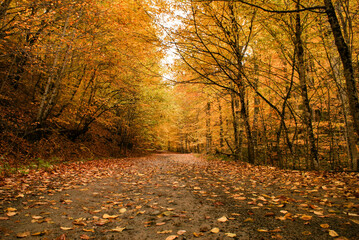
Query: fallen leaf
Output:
(197,234)
(101,222)
(248,220)
(324,225)
(306,217)
(306,233)
(160,223)
(66,228)
(181,232)
(10,214)
(118,229)
(10,209)
(222,219)
(333,233)
(88,230)
(84,236)
(231,235)
(23,235)
(37,217)
(38,233)
(171,237)
(4,218)
(79,221)
(215,230)
(262,230)
(240,198)
(319,213)
(106,216)
(123,210)
(354,221)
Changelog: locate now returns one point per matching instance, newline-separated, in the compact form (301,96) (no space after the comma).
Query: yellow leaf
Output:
(10,214)
(84,236)
(306,217)
(235,214)
(262,230)
(319,213)
(38,233)
(249,220)
(171,237)
(10,209)
(66,228)
(231,235)
(306,233)
(333,233)
(215,230)
(123,210)
(240,198)
(106,216)
(181,232)
(197,234)
(88,230)
(23,235)
(222,219)
(324,225)
(354,221)
(118,229)
(102,222)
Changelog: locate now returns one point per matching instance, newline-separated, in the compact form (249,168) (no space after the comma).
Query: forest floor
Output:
(178,196)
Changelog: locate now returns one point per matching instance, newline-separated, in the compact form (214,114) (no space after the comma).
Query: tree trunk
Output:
(235,123)
(221,131)
(346,58)
(307,112)
(256,108)
(208,128)
(245,118)
(52,85)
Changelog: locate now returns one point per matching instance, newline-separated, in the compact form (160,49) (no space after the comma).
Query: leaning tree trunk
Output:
(346,58)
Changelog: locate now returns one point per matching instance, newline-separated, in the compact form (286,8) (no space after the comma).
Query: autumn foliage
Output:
(267,83)
(76,79)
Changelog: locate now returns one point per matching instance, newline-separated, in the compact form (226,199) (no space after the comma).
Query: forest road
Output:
(178,196)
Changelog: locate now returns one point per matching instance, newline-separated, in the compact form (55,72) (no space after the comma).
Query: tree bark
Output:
(221,131)
(346,59)
(235,123)
(307,116)
(208,128)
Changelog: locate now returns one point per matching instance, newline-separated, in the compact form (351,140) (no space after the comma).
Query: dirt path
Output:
(178,196)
